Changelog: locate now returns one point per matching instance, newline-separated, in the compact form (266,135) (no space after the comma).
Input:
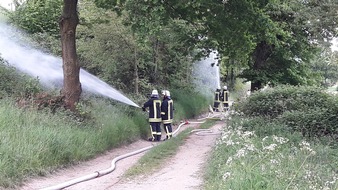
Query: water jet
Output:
(48,68)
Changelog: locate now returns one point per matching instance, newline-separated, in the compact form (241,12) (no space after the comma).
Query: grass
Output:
(207,124)
(33,143)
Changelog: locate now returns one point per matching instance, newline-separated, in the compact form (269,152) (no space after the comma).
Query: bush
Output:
(14,84)
(188,103)
(275,101)
(309,110)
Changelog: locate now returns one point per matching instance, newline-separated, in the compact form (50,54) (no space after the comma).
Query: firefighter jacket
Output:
(167,110)
(154,105)
(225,96)
(217,96)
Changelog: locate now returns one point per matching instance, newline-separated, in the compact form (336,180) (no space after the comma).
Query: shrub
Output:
(191,103)
(14,84)
(309,110)
(275,101)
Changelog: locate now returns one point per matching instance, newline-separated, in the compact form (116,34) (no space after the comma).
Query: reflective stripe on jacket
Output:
(225,96)
(167,111)
(154,105)
(217,96)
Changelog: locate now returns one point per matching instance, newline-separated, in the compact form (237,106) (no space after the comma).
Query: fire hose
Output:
(101,173)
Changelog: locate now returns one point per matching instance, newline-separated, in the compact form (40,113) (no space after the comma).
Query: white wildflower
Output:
(241,153)
(305,146)
(247,134)
(229,142)
(226,175)
(250,147)
(271,147)
(229,161)
(273,161)
(280,140)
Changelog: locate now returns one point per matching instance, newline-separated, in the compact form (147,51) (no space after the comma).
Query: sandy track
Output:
(183,171)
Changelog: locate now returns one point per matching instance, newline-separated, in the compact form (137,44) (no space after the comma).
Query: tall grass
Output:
(35,143)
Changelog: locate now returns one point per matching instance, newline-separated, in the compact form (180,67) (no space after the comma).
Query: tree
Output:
(71,68)
(37,16)
(276,39)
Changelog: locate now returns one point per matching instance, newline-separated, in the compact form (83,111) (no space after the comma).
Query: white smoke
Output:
(207,75)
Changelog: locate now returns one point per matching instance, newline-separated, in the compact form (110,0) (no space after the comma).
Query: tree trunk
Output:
(71,68)
(136,78)
(260,56)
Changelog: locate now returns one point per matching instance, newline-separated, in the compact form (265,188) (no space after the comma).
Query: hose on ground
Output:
(106,171)
(113,162)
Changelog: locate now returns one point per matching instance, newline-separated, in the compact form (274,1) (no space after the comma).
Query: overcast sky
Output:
(5,3)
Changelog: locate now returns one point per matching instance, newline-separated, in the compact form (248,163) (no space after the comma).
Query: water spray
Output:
(48,68)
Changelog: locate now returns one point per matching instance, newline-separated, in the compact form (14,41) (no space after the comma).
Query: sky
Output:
(5,3)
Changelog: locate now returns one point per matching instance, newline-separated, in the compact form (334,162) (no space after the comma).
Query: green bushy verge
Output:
(15,84)
(309,110)
(37,142)
(268,157)
(266,143)
(188,103)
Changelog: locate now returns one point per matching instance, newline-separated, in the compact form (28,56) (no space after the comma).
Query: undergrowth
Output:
(271,142)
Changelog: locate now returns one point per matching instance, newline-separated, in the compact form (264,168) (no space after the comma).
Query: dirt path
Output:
(183,171)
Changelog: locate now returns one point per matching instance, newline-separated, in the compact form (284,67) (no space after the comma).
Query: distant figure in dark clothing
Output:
(217,99)
(154,105)
(167,113)
(225,98)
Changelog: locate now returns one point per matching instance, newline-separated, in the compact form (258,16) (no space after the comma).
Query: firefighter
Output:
(225,98)
(217,99)
(167,113)
(154,105)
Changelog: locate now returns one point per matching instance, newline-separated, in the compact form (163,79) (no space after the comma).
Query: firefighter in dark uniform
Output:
(217,99)
(167,113)
(225,98)
(154,105)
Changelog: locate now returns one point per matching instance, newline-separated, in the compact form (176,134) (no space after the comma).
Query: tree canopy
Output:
(155,42)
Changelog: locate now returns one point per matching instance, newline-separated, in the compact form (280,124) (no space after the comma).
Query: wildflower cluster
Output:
(271,160)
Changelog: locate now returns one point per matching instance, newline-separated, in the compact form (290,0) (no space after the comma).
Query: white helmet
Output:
(167,93)
(163,92)
(154,93)
(225,87)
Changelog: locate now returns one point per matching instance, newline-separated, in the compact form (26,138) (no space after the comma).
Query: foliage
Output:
(38,16)
(275,38)
(301,108)
(190,102)
(16,84)
(325,65)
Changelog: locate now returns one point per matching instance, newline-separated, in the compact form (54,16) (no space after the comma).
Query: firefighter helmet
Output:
(154,93)
(167,93)
(225,87)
